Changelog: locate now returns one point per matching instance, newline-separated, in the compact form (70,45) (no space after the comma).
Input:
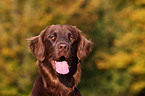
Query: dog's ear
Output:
(84,48)
(84,45)
(36,45)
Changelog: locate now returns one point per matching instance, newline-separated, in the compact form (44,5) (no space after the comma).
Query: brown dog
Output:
(59,51)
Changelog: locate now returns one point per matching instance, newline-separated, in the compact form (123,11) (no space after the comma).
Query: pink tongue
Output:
(62,67)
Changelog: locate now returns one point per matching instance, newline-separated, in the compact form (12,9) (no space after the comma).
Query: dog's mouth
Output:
(61,66)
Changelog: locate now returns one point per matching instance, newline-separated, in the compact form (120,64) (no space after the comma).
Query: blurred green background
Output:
(116,66)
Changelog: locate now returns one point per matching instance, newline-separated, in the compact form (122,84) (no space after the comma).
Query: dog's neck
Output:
(49,77)
(67,80)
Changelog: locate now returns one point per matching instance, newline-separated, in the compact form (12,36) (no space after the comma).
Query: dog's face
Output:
(62,46)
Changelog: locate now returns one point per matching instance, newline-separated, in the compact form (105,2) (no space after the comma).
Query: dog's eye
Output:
(52,37)
(71,37)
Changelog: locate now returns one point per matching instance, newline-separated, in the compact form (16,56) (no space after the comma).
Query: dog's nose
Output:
(62,46)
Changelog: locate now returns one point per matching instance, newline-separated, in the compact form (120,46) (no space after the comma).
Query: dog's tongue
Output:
(62,67)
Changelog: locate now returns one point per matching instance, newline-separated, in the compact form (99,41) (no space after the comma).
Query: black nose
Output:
(63,46)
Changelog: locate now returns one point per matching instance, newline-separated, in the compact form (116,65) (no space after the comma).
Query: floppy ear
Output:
(36,45)
(84,48)
(84,45)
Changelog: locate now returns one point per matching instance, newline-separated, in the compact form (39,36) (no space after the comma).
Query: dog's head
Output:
(62,46)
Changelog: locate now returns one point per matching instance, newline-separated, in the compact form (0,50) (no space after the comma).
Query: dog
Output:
(59,50)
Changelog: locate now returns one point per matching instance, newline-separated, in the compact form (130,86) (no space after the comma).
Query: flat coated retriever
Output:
(59,50)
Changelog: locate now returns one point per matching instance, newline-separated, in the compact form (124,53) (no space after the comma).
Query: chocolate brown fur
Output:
(58,43)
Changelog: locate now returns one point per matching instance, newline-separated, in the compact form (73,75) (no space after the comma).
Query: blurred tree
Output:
(114,68)
(127,50)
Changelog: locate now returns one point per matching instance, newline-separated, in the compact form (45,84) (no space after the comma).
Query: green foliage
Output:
(114,68)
